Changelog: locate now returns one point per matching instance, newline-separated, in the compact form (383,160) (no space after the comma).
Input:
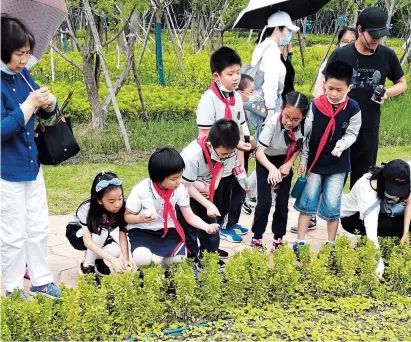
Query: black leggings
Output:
(387,226)
(262,210)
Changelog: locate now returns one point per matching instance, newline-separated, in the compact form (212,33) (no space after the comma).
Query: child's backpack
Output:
(258,105)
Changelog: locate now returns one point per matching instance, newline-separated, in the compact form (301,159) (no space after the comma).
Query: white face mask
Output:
(5,69)
(341,101)
(220,85)
(250,98)
(214,156)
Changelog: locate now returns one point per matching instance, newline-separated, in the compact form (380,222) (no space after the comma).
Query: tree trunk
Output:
(391,11)
(194,34)
(97,67)
(98,116)
(100,55)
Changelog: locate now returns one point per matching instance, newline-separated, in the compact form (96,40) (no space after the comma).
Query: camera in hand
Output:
(378,93)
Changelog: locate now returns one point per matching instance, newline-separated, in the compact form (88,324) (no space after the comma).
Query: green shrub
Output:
(178,100)
(210,287)
(268,300)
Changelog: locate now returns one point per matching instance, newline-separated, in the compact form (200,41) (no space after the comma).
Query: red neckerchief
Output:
(293,145)
(213,169)
(169,210)
(230,101)
(326,108)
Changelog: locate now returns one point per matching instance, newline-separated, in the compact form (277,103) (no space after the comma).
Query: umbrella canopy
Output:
(42,18)
(257,12)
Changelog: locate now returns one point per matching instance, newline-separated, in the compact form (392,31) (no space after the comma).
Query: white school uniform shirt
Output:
(211,108)
(272,137)
(144,196)
(80,219)
(196,168)
(274,71)
(361,197)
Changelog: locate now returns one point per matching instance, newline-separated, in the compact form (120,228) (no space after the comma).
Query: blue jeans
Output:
(327,187)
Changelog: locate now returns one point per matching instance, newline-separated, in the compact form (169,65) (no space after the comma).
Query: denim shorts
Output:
(327,187)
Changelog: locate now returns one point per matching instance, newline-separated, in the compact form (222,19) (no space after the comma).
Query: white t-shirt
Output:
(144,196)
(272,137)
(210,109)
(196,164)
(361,197)
(273,68)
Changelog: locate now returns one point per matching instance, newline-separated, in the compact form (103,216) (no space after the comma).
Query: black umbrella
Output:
(257,12)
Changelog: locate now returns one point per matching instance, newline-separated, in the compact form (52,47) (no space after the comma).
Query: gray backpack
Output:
(258,105)
(390,209)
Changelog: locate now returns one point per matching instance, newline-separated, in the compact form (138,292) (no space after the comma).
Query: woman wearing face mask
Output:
(379,204)
(23,208)
(278,32)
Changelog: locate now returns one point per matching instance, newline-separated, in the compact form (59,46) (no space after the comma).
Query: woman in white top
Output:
(278,32)
(379,204)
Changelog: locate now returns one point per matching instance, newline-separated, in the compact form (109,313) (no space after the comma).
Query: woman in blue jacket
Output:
(23,206)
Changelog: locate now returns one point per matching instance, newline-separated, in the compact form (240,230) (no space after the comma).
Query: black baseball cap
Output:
(397,178)
(374,21)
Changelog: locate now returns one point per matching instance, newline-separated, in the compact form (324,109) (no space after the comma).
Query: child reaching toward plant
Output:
(279,146)
(153,229)
(204,166)
(336,121)
(91,226)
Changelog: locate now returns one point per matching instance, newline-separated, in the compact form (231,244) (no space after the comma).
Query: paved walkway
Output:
(64,260)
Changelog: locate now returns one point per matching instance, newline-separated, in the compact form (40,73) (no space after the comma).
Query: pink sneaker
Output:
(257,244)
(26,274)
(276,245)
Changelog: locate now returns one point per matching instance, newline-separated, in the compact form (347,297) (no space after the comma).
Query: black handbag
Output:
(56,142)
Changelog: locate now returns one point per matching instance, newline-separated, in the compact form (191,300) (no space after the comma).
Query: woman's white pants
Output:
(23,232)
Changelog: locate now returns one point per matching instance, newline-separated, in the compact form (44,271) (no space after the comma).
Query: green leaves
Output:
(330,295)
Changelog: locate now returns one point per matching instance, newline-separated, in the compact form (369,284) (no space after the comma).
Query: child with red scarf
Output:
(202,175)
(280,143)
(221,101)
(336,121)
(153,229)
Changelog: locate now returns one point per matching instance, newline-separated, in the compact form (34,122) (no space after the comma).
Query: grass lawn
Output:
(68,185)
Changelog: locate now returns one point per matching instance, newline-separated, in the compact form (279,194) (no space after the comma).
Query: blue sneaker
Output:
(296,245)
(230,235)
(48,290)
(240,230)
(22,295)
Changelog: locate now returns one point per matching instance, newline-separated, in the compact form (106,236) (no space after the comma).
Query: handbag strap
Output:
(370,209)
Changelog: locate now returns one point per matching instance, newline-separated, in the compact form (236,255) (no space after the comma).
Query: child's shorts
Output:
(329,188)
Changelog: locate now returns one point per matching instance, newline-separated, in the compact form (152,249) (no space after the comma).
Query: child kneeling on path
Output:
(280,143)
(153,229)
(336,121)
(95,219)
(204,166)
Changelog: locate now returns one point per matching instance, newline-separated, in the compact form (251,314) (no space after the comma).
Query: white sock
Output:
(298,240)
(331,242)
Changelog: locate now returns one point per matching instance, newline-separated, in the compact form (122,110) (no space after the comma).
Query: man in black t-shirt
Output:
(372,64)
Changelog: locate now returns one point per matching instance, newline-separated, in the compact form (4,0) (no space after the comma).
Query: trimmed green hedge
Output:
(254,289)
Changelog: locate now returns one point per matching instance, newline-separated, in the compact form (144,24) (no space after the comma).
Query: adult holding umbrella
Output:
(274,18)
(23,208)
